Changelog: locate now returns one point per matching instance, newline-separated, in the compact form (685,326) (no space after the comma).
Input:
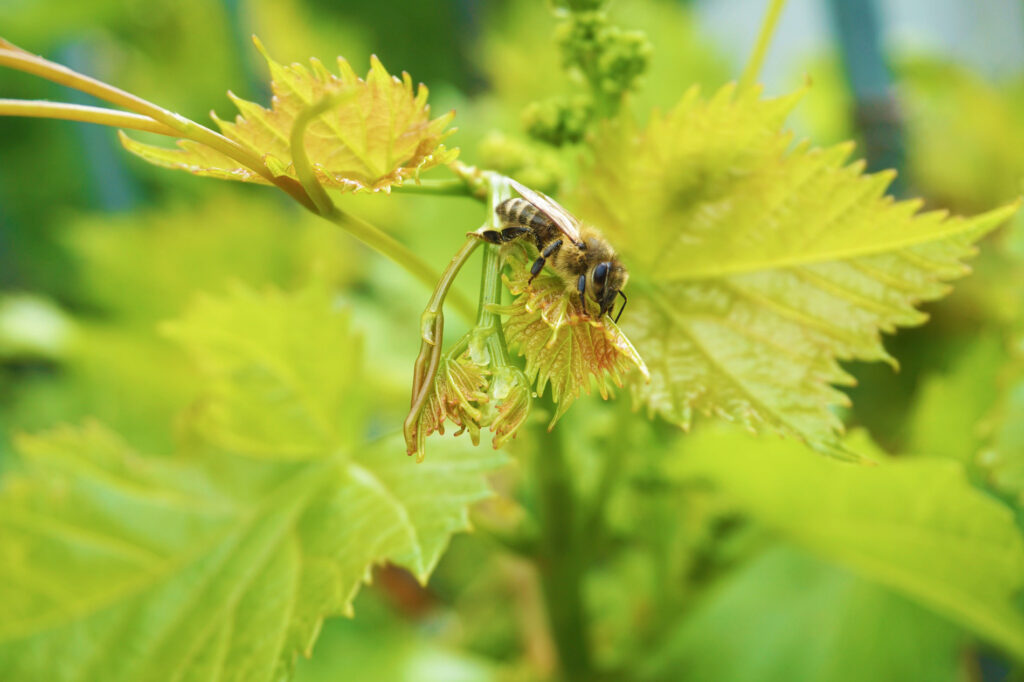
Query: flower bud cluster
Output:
(559,120)
(611,58)
(533,164)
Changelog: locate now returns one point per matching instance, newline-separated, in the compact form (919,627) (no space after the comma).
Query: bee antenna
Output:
(624,301)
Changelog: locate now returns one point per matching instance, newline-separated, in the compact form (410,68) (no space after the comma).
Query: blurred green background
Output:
(96,248)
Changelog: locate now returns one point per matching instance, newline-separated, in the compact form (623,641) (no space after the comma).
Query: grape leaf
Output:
(802,620)
(756,265)
(950,409)
(1002,458)
(914,525)
(378,134)
(223,560)
(564,347)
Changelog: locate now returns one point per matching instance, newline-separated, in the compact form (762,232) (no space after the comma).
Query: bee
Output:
(578,253)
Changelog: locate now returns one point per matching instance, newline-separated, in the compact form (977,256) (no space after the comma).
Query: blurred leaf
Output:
(145,267)
(786,617)
(1003,455)
(965,136)
(280,379)
(377,135)
(915,525)
(562,346)
(218,563)
(131,379)
(949,410)
(756,266)
(380,646)
(133,270)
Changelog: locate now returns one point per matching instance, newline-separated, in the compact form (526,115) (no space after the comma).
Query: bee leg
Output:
(492,236)
(538,264)
(581,286)
(511,233)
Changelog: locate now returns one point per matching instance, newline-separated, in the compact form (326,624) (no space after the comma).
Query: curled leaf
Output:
(460,386)
(474,397)
(564,347)
(379,135)
(509,397)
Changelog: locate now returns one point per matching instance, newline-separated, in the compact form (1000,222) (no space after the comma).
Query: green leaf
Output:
(382,644)
(221,561)
(1002,458)
(915,525)
(950,408)
(787,617)
(756,265)
(281,383)
(379,135)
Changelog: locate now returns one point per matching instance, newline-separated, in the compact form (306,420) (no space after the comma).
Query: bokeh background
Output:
(96,247)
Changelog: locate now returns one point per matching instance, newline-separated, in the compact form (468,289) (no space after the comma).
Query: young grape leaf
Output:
(284,387)
(378,134)
(951,408)
(915,524)
(223,561)
(757,265)
(564,347)
(806,621)
(1002,458)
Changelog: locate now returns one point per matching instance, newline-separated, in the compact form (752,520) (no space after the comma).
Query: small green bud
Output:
(534,165)
(611,59)
(578,5)
(623,61)
(558,121)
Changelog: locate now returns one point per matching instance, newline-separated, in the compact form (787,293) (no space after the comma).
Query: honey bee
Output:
(578,253)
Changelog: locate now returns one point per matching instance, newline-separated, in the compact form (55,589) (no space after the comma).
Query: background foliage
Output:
(201,383)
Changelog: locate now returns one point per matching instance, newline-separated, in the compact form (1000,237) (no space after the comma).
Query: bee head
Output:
(607,280)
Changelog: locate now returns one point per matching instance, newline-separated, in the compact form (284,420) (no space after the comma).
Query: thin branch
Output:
(455,187)
(432,334)
(84,113)
(764,39)
(300,159)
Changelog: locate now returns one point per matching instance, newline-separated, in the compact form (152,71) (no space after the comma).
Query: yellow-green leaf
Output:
(378,133)
(220,562)
(757,265)
(913,524)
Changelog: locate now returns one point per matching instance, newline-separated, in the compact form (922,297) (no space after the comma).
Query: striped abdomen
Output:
(521,213)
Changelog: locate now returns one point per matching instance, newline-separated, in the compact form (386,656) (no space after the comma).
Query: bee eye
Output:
(600,273)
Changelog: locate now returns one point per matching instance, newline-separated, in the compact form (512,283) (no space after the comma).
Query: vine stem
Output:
(454,187)
(362,230)
(764,39)
(561,556)
(84,114)
(432,337)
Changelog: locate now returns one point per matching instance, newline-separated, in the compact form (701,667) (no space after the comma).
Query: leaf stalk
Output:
(753,68)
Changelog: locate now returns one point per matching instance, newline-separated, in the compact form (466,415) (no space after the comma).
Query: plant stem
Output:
(561,559)
(488,322)
(453,187)
(362,230)
(764,39)
(83,113)
(432,335)
(385,244)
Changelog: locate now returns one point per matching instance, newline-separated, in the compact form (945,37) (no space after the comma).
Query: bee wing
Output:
(565,221)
